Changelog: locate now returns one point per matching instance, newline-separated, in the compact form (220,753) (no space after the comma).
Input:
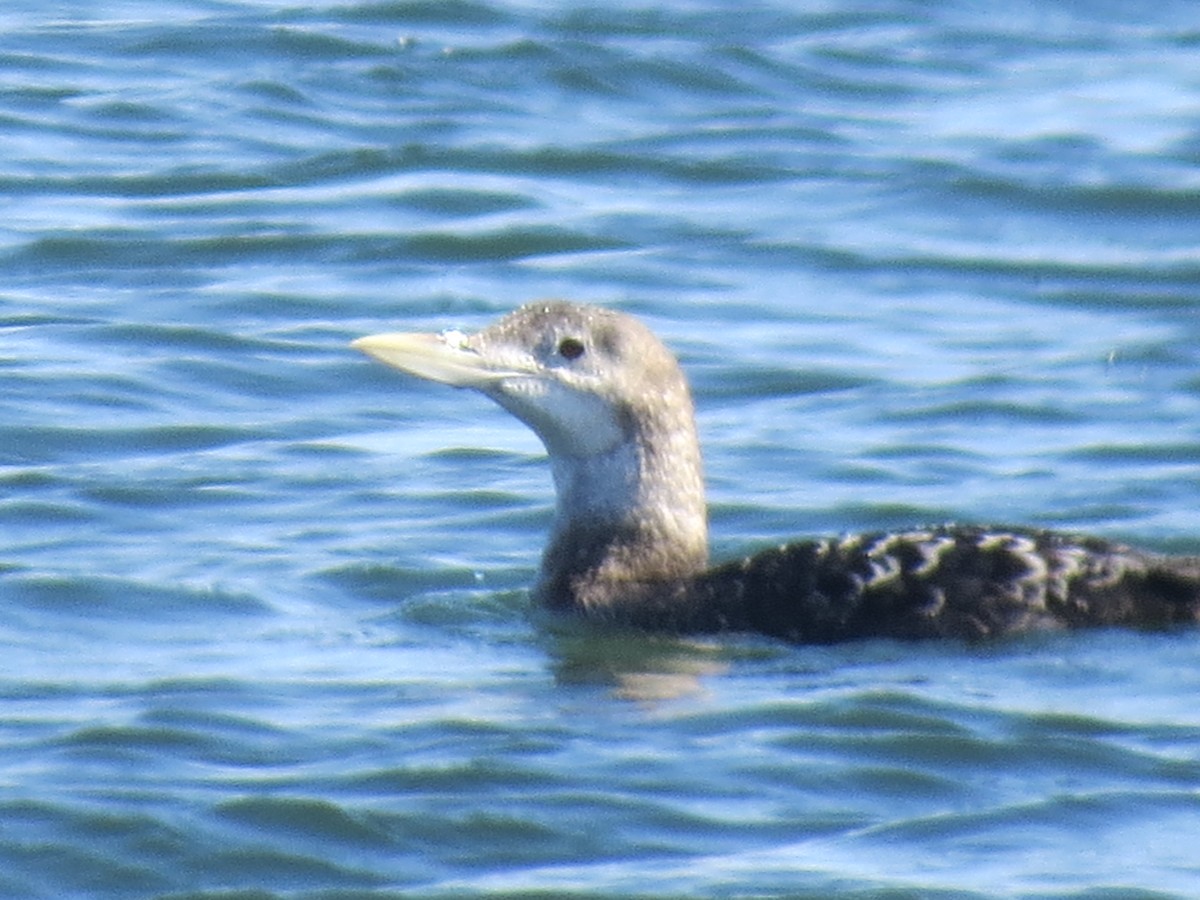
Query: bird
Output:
(628,543)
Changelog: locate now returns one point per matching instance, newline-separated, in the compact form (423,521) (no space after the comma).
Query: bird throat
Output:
(620,521)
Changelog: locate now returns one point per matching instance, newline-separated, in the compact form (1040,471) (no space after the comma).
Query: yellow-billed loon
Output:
(629,542)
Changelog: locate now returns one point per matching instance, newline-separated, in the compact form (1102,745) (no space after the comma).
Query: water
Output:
(262,603)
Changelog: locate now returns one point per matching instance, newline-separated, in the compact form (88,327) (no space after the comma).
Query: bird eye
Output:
(570,348)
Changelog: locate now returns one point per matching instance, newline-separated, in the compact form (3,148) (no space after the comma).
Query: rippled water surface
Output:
(262,604)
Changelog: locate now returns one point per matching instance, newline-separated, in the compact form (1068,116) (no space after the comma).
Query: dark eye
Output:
(570,348)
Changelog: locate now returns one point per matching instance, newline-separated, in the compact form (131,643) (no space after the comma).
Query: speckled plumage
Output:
(629,540)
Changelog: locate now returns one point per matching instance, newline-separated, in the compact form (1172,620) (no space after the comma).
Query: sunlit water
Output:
(262,603)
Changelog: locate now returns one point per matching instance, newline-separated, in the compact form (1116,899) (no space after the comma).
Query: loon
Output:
(629,539)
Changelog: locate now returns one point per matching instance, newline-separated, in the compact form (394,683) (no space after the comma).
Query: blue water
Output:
(262,603)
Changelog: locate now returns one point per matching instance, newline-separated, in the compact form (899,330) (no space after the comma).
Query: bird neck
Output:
(633,515)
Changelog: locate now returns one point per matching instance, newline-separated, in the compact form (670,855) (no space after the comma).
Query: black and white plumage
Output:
(629,543)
